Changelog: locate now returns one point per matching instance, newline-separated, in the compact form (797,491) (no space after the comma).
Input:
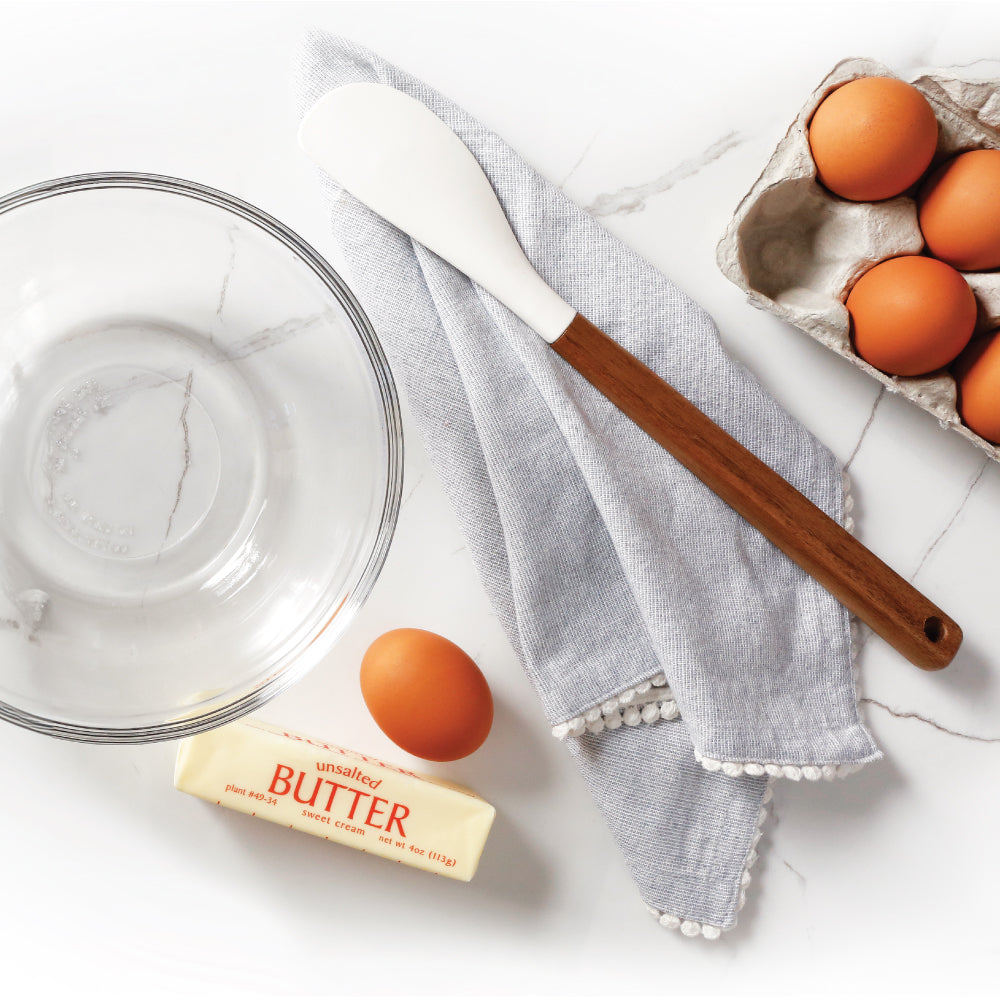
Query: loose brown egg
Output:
(977,374)
(960,211)
(426,694)
(872,138)
(911,315)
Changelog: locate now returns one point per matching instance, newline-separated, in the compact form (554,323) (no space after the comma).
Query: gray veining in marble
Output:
(930,722)
(627,200)
(864,430)
(796,873)
(186,454)
(231,234)
(580,159)
(412,490)
(272,336)
(261,340)
(954,517)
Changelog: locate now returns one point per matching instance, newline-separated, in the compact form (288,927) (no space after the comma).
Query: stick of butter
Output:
(338,794)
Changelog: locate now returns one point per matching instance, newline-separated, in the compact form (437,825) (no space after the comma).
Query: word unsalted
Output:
(284,777)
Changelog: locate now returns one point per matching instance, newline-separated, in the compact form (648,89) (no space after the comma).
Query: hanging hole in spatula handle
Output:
(887,603)
(935,629)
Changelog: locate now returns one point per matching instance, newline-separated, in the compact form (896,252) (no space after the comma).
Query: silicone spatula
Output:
(396,156)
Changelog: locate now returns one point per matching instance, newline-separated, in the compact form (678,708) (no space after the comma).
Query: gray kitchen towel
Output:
(666,638)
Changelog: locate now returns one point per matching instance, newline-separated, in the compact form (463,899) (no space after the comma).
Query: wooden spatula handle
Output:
(881,598)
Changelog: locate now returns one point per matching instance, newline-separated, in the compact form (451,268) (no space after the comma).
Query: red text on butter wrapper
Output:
(346,798)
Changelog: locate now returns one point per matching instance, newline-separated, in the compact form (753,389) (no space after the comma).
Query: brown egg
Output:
(977,374)
(872,138)
(960,211)
(426,694)
(911,315)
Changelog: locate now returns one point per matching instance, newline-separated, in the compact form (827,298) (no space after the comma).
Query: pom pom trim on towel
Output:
(793,772)
(712,932)
(796,772)
(647,702)
(652,701)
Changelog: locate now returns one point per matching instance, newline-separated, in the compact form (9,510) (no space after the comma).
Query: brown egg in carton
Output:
(796,249)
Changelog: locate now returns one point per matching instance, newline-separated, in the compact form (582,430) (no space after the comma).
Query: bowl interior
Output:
(199,457)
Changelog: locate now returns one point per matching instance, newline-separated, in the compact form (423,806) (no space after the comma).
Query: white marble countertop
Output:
(658,118)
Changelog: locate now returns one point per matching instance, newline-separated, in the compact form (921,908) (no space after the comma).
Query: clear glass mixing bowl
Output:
(200,457)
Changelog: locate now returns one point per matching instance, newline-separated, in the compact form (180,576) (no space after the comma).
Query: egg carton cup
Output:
(796,250)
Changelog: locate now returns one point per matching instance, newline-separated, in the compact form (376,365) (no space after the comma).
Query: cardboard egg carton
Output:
(796,249)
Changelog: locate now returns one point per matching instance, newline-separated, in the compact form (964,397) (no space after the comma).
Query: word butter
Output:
(338,794)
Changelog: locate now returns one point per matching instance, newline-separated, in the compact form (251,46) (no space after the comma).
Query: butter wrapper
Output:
(337,794)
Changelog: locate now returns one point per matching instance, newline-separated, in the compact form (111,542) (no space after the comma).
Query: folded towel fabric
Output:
(685,660)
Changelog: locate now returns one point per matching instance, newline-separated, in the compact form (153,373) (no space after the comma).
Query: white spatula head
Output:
(394,154)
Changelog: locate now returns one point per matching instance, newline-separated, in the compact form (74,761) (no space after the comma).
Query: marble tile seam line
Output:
(954,517)
(966,65)
(413,489)
(631,199)
(271,336)
(795,872)
(231,232)
(187,454)
(572,170)
(930,722)
(879,396)
(261,340)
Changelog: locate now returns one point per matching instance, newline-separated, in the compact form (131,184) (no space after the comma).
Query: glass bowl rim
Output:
(312,649)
